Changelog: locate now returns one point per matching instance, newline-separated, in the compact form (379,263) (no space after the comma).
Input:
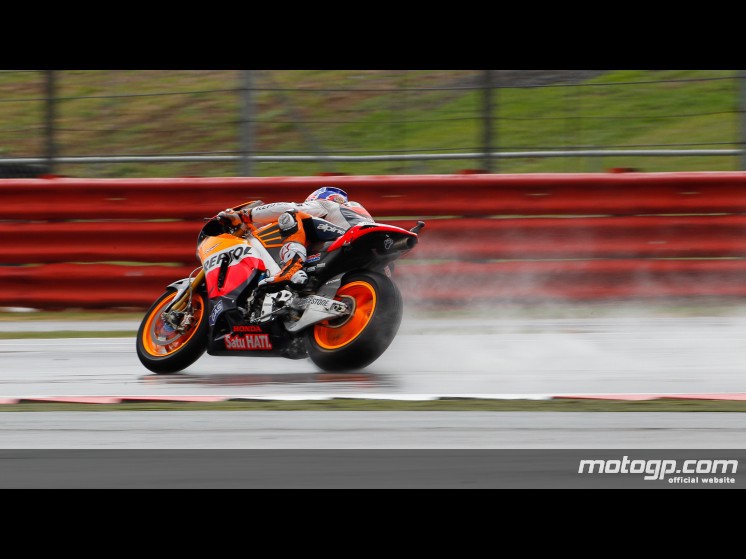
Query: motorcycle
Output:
(343,318)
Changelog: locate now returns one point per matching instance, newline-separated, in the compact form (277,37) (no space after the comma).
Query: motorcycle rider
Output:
(324,215)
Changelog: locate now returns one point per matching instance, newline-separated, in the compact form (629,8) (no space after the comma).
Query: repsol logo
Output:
(270,206)
(233,255)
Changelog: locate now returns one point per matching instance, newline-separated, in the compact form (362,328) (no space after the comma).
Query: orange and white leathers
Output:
(293,252)
(341,215)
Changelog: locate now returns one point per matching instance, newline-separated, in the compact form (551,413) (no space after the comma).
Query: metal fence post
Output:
(487,120)
(49,118)
(247,128)
(741,109)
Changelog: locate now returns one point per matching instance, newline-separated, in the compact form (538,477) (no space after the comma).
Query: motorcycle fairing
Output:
(229,263)
(357,231)
(231,335)
(233,265)
(371,246)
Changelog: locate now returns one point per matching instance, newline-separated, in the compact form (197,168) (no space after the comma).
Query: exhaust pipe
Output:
(407,243)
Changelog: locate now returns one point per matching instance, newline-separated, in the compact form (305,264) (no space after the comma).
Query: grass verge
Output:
(67,334)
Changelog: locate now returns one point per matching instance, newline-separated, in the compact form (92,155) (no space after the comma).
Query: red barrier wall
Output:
(463,195)
(104,243)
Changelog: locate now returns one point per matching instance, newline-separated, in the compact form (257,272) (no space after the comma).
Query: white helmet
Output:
(329,193)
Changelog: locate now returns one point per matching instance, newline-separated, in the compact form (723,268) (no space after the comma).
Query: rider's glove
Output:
(235,218)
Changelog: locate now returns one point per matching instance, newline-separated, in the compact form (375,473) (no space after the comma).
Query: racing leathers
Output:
(300,224)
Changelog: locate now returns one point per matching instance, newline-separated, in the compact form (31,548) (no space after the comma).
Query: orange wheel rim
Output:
(331,336)
(159,339)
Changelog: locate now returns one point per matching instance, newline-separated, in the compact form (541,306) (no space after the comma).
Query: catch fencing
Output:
(489,239)
(171,123)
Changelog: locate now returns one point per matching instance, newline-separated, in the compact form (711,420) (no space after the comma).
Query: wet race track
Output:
(475,357)
(503,358)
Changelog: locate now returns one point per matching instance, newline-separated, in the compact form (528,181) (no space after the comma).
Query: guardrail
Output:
(103,243)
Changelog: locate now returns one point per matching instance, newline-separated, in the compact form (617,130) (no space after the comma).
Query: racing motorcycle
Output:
(344,317)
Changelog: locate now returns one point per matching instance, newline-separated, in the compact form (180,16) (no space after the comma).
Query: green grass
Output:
(616,110)
(92,316)
(67,334)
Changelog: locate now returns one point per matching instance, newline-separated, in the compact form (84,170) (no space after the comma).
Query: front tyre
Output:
(168,346)
(355,341)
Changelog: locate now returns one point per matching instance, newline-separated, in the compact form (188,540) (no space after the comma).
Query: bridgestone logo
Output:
(694,470)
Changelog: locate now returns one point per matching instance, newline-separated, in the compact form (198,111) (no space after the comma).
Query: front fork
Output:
(176,313)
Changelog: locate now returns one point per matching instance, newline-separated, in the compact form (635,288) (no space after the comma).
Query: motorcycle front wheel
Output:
(357,340)
(164,349)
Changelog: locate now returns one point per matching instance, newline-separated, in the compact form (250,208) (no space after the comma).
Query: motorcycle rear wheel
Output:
(357,340)
(163,350)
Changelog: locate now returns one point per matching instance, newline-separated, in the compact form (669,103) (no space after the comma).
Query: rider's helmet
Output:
(329,193)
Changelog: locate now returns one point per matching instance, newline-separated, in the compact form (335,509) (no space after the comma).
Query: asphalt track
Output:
(625,354)
(529,357)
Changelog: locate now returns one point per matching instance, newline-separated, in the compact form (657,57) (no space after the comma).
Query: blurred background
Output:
(263,123)
(533,199)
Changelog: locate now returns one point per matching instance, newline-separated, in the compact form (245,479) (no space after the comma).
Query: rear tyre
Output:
(163,349)
(357,340)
